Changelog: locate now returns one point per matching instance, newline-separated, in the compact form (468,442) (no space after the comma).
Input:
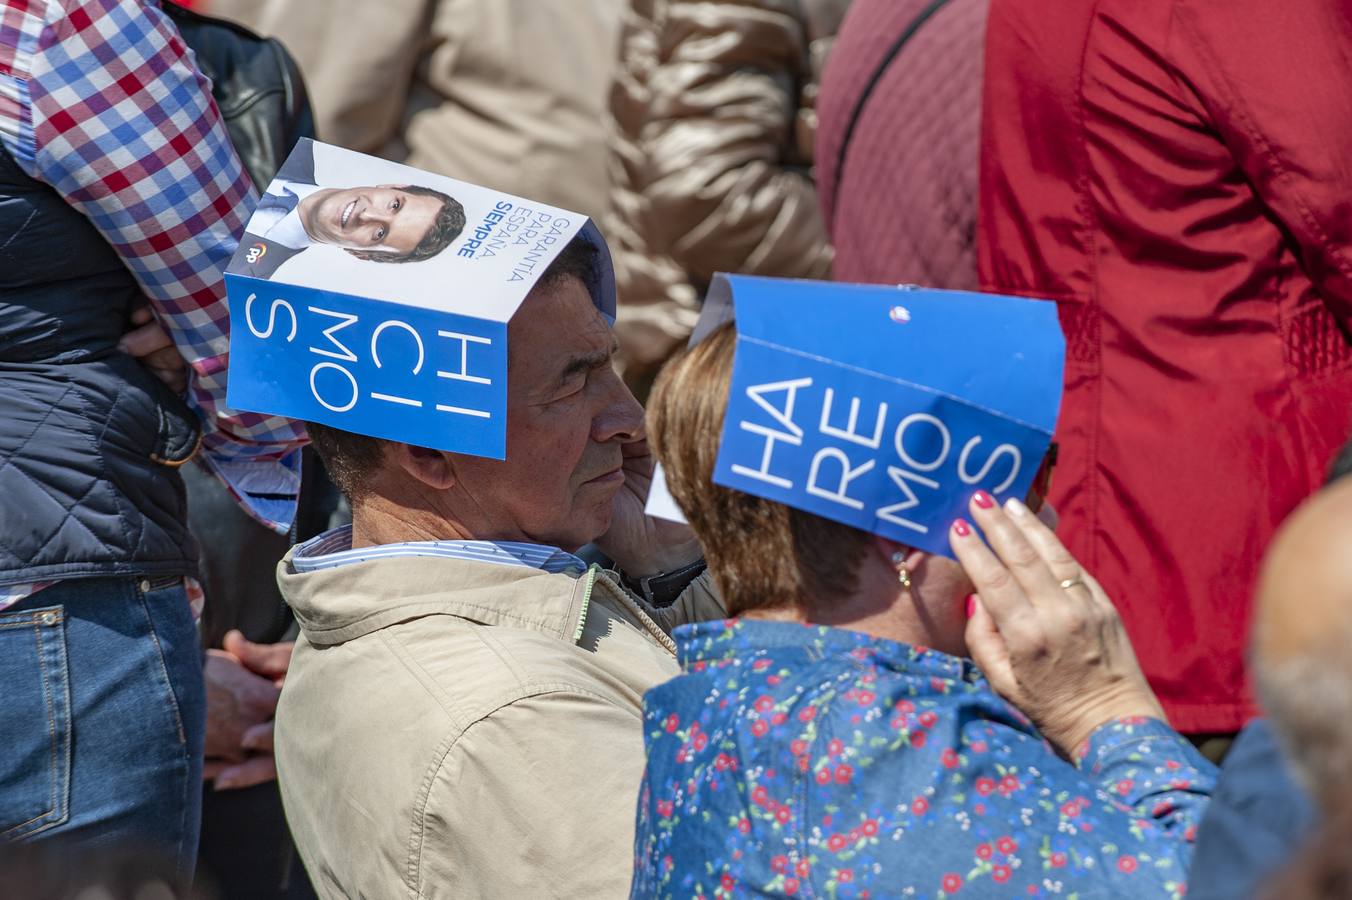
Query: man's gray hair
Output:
(1309,699)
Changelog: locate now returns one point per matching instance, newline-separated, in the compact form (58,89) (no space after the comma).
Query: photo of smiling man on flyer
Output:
(380,223)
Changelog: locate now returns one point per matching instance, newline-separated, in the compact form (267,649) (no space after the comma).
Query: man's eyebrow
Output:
(587,362)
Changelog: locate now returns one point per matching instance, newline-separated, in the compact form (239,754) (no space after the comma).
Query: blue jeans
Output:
(103,717)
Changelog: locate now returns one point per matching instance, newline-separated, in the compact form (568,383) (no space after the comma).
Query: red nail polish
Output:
(971,605)
(984,500)
(961,528)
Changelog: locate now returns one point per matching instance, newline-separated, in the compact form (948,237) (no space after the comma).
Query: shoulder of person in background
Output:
(1258,818)
(257,85)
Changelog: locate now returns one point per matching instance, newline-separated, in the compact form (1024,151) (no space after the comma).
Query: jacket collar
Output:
(344,603)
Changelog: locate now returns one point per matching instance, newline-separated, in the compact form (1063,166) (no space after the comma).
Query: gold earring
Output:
(903,575)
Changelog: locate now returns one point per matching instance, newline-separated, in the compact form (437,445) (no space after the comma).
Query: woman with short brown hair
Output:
(868,727)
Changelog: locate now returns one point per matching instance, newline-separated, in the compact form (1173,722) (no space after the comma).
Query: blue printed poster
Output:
(374,297)
(884,408)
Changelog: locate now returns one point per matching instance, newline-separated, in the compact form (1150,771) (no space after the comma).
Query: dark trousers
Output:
(246,849)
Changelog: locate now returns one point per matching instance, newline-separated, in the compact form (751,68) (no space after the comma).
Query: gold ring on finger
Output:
(1071,582)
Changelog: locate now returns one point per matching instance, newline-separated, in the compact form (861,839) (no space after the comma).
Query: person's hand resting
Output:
(243,683)
(149,343)
(1060,654)
(639,544)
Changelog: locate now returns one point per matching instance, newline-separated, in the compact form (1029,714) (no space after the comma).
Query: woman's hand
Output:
(1060,654)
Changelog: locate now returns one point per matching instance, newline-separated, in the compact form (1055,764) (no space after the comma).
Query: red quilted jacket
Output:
(1177,176)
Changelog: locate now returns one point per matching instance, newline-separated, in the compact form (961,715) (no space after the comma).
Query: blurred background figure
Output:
(1262,812)
(900,111)
(714,109)
(1303,673)
(510,94)
(1176,177)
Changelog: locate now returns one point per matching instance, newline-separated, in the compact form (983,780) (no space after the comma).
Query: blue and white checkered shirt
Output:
(334,548)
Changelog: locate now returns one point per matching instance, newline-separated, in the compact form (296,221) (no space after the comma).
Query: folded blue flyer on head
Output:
(883,408)
(375,298)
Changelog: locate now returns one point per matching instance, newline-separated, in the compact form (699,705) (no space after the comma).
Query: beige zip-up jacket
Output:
(463,729)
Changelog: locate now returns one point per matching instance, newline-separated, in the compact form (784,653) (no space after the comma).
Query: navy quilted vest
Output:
(88,438)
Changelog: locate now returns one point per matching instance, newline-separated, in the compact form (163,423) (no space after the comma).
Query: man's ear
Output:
(433,468)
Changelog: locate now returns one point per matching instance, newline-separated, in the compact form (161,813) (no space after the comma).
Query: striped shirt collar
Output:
(334,548)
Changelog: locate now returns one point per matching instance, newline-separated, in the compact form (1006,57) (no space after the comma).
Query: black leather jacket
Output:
(257,86)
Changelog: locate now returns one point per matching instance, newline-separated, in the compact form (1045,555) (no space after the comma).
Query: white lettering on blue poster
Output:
(882,407)
(881,456)
(371,367)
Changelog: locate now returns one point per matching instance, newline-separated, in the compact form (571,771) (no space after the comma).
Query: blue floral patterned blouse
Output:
(792,760)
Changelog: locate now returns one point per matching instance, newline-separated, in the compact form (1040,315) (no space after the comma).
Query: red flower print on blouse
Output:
(876,723)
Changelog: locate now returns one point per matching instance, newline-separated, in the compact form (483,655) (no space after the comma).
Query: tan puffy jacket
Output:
(712,157)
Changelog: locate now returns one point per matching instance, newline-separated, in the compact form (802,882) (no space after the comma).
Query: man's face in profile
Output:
(568,414)
(383,219)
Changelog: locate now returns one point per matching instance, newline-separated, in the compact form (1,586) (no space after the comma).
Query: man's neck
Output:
(376,521)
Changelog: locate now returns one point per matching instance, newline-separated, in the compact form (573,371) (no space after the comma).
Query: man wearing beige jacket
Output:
(462,717)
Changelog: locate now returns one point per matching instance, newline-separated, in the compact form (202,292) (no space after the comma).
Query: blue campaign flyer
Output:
(375,298)
(434,378)
(885,408)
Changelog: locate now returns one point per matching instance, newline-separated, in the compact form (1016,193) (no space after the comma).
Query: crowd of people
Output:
(253,657)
